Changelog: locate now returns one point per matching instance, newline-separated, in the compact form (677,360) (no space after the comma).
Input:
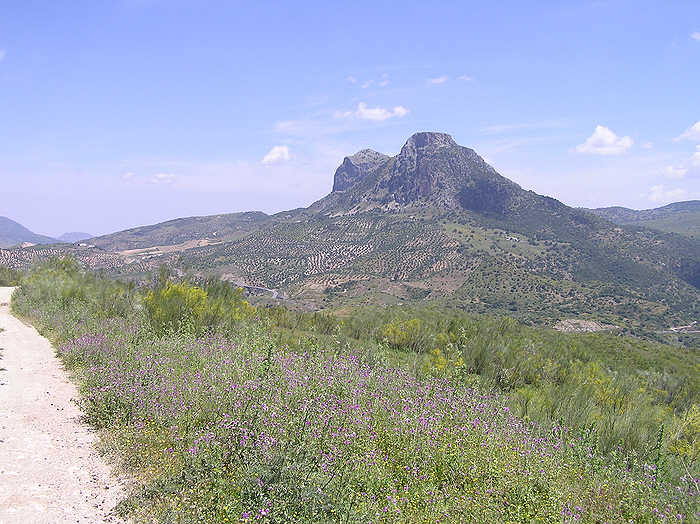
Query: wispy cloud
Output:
(604,142)
(663,195)
(465,78)
(276,155)
(494,148)
(438,80)
(695,159)
(695,35)
(692,133)
(377,114)
(162,178)
(3,54)
(382,81)
(507,128)
(158,178)
(675,172)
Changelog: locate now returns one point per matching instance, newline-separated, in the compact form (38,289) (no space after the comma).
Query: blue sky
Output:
(116,114)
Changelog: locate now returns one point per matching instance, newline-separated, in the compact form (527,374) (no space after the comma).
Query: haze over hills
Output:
(434,222)
(680,217)
(74,236)
(13,234)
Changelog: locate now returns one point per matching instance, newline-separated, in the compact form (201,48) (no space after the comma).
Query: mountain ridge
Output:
(13,233)
(682,218)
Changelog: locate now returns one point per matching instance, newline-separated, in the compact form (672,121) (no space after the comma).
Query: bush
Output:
(185,308)
(177,307)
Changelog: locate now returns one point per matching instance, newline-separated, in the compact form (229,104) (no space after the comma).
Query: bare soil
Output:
(50,471)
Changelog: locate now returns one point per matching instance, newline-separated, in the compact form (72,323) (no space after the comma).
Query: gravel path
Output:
(49,469)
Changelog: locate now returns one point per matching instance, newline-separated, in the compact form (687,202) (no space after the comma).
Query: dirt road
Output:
(49,469)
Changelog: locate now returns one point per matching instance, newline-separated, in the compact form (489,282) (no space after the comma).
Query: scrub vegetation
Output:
(226,412)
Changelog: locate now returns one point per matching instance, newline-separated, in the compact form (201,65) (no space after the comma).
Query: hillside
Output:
(13,233)
(217,408)
(436,222)
(182,230)
(680,217)
(433,223)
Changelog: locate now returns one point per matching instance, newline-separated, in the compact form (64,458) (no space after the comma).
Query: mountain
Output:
(431,169)
(13,234)
(74,236)
(680,217)
(434,222)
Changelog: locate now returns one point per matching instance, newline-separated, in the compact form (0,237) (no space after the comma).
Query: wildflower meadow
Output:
(220,412)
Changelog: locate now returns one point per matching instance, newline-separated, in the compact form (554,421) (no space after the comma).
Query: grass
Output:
(228,413)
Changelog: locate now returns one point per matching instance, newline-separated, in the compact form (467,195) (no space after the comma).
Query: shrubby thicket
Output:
(226,412)
(9,277)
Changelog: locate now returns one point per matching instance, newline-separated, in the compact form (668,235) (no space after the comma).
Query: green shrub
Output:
(177,307)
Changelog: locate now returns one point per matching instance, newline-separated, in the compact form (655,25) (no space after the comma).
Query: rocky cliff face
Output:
(354,168)
(431,168)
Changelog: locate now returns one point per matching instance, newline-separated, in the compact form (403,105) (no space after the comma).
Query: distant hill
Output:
(435,222)
(74,236)
(13,234)
(680,217)
(219,227)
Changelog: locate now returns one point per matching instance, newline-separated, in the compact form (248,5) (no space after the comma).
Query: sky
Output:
(121,113)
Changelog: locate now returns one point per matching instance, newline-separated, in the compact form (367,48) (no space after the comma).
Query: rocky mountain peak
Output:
(427,141)
(355,167)
(431,169)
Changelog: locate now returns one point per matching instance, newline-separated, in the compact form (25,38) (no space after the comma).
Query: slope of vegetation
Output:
(9,277)
(533,267)
(687,224)
(224,412)
(682,218)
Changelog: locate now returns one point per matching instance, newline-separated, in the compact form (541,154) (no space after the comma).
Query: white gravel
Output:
(50,471)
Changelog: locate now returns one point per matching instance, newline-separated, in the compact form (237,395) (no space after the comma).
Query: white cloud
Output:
(692,133)
(695,36)
(604,142)
(276,155)
(648,145)
(373,113)
(128,176)
(465,78)
(661,195)
(351,79)
(675,172)
(162,178)
(439,80)
(3,54)
(384,81)
(367,84)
